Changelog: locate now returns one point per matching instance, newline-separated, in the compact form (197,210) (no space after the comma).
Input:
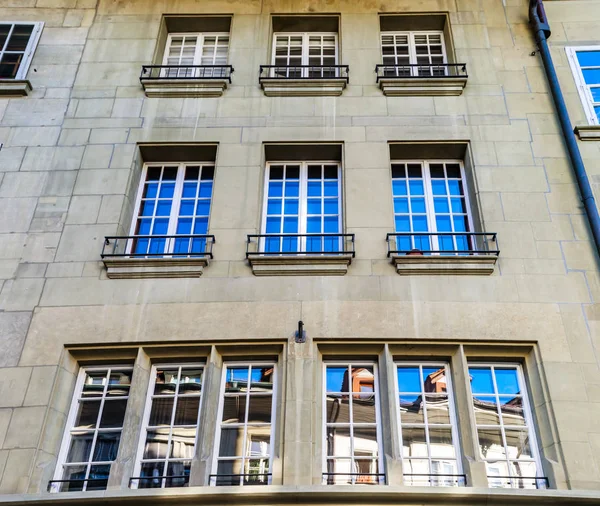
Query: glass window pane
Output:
(490,444)
(365,442)
(507,381)
(337,409)
(81,446)
(191,381)
(87,415)
(339,441)
(259,410)
(20,37)
(414,442)
(517,442)
(337,379)
(107,446)
(93,385)
(481,380)
(486,410)
(440,441)
(182,443)
(113,413)
(437,409)
(258,442)
(588,58)
(363,409)
(237,379)
(411,409)
(591,76)
(408,379)
(186,411)
(512,411)
(152,472)
(161,412)
(157,444)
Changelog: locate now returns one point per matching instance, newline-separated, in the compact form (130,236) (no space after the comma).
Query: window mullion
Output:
(430,209)
(175,206)
(303,204)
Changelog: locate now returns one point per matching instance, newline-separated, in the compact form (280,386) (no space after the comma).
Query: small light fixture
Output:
(300,335)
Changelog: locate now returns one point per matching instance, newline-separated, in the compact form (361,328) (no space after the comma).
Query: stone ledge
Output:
(184,87)
(139,268)
(301,265)
(332,495)
(303,87)
(588,132)
(428,265)
(14,87)
(422,86)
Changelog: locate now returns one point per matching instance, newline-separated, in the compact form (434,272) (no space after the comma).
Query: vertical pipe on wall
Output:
(541,29)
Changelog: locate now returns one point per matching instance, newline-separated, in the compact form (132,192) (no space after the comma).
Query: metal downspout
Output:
(541,29)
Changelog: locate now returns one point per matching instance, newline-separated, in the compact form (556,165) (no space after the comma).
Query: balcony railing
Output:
(353,478)
(442,243)
(419,70)
(533,482)
(55,486)
(158,72)
(300,244)
(158,246)
(228,480)
(436,480)
(181,480)
(268,72)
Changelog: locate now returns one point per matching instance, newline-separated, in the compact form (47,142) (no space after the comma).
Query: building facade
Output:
(284,251)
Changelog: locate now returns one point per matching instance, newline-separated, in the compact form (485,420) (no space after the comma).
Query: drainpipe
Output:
(541,29)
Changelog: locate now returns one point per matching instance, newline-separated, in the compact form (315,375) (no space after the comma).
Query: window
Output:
(291,51)
(427,425)
(245,433)
(585,65)
(413,54)
(94,429)
(188,50)
(431,206)
(170,427)
(352,434)
(17,44)
(173,200)
(303,198)
(505,427)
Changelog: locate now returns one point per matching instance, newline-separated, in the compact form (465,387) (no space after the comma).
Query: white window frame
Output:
(29,50)
(177,196)
(451,412)
(302,199)
(219,422)
(305,48)
(377,393)
(148,409)
(583,88)
(412,51)
(66,439)
(199,45)
(429,202)
(527,414)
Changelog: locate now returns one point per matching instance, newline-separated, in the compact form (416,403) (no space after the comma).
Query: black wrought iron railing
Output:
(159,72)
(354,478)
(169,481)
(442,243)
(300,244)
(55,486)
(232,480)
(539,482)
(419,70)
(158,246)
(304,72)
(436,480)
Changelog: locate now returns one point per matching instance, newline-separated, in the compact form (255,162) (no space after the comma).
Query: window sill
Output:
(273,87)
(422,86)
(588,132)
(408,265)
(301,265)
(14,87)
(142,268)
(184,87)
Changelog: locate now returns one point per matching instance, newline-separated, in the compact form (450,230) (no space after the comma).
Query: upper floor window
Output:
(504,421)
(408,54)
(17,44)
(196,54)
(172,210)
(311,55)
(170,427)
(302,198)
(94,428)
(244,440)
(431,206)
(352,430)
(585,65)
(428,427)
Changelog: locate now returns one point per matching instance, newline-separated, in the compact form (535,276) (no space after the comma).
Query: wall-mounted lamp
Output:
(300,335)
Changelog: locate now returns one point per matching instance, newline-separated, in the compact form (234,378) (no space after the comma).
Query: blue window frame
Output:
(302,198)
(585,64)
(174,199)
(430,197)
